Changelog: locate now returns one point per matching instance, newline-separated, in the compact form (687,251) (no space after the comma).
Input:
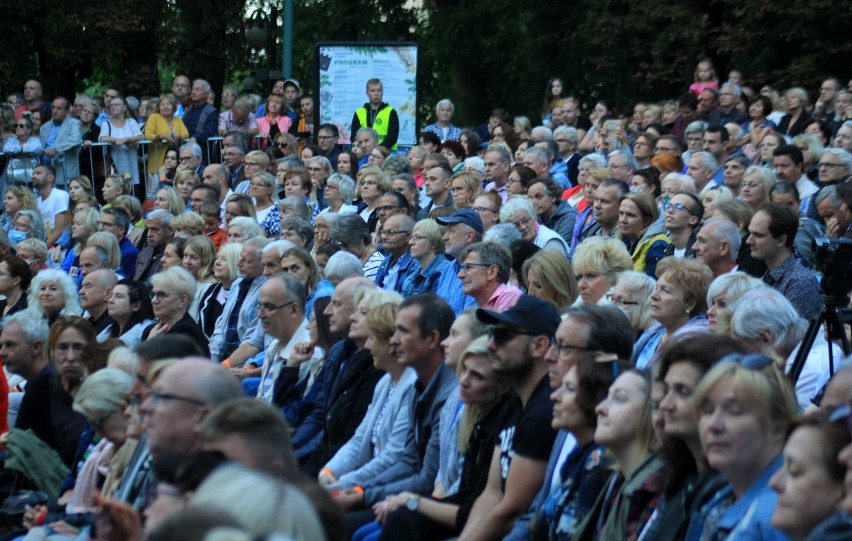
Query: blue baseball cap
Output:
(463,216)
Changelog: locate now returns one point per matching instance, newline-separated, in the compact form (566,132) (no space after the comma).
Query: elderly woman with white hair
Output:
(338,194)
(794,122)
(632,294)
(27,224)
(765,322)
(519,211)
(172,292)
(756,187)
(243,228)
(443,127)
(53,293)
(723,292)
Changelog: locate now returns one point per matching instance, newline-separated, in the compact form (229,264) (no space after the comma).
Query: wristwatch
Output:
(413,502)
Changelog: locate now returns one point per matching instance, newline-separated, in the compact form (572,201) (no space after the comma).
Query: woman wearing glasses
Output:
(24,140)
(338,193)
(519,211)
(122,132)
(172,292)
(265,194)
(755,188)
(744,406)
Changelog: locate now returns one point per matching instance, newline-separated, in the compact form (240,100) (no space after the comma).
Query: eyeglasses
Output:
(480,210)
(386,233)
(522,223)
(185,158)
(466,267)
(417,238)
(160,295)
(619,300)
(664,149)
(105,224)
(387,208)
(314,169)
(324,137)
(282,145)
(562,350)
(677,207)
(156,397)
(501,335)
(21,126)
(694,139)
(269,308)
(255,164)
(751,185)
(370,183)
(830,165)
(749,361)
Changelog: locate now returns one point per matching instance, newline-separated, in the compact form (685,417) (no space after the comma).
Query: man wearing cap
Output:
(484,272)
(519,341)
(377,115)
(464,228)
(587,330)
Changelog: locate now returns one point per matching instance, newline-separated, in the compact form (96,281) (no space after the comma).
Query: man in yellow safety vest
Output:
(377,115)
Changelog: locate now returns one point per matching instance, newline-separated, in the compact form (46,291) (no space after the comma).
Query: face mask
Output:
(636,190)
(666,200)
(16,236)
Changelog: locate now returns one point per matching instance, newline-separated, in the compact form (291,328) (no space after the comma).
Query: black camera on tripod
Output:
(833,258)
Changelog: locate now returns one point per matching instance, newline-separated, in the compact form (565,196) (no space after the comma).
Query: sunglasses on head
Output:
(750,361)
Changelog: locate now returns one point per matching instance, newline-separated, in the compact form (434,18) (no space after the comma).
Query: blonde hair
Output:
(433,232)
(176,203)
(203,246)
(191,222)
(230,251)
(733,285)
(108,242)
(691,275)
(556,275)
(469,415)
(260,157)
(606,255)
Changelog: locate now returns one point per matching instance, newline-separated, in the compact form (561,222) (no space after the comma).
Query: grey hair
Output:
(475,162)
(34,327)
(641,286)
(629,160)
(374,135)
(346,186)
(248,224)
(343,265)
(279,246)
(196,148)
(178,278)
(828,192)
(595,159)
(548,132)
(296,205)
(272,506)
(696,126)
(815,149)
(491,253)
(161,215)
(504,234)
(69,288)
(800,93)
(845,157)
(733,285)
(539,154)
(726,231)
(570,133)
(104,392)
(445,101)
(514,204)
(258,243)
(505,157)
(293,287)
(332,220)
(766,309)
(323,162)
(707,158)
(735,88)
(352,229)
(36,223)
(204,85)
(686,184)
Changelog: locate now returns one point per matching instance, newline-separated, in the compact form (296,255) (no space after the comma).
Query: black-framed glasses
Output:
(677,207)
(501,335)
(185,158)
(749,361)
(388,232)
(562,350)
(269,308)
(160,295)
(156,397)
(480,210)
(387,208)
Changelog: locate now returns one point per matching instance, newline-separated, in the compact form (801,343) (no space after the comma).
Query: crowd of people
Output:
(579,328)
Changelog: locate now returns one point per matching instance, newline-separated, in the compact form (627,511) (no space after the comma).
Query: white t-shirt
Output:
(57,202)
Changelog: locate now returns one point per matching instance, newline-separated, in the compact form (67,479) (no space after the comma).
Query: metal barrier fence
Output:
(93,161)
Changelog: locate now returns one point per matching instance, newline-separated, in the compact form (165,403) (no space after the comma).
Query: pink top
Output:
(698,88)
(503,298)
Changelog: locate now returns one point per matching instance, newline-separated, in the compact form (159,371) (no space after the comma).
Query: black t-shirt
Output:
(528,433)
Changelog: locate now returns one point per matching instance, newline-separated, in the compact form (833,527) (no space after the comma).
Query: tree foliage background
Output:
(481,54)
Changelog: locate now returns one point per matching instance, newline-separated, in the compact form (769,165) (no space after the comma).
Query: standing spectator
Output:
(61,140)
(122,132)
(443,127)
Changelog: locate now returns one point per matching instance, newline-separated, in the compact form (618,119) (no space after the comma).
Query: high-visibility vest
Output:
(380,124)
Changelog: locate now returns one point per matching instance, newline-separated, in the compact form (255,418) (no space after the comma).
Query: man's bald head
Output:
(341,307)
(839,390)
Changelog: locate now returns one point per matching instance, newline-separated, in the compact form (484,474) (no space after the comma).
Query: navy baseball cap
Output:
(529,313)
(463,216)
